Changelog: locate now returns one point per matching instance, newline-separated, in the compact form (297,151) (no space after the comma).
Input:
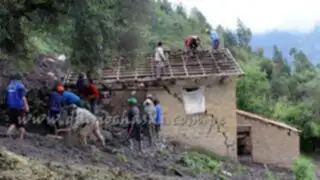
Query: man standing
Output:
(134,130)
(159,59)
(80,83)
(214,38)
(85,123)
(149,116)
(91,93)
(17,104)
(158,121)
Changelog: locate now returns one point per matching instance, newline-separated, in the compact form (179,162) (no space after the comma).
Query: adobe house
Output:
(197,94)
(267,141)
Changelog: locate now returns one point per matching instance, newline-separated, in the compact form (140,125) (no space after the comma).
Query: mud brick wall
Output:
(272,142)
(221,108)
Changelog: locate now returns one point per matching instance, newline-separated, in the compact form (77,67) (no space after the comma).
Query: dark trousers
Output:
(135,131)
(93,105)
(215,44)
(157,128)
(52,121)
(16,117)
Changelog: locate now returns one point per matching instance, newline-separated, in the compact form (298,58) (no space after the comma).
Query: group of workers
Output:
(83,118)
(191,44)
(85,121)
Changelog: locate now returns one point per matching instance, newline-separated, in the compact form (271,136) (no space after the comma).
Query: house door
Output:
(244,142)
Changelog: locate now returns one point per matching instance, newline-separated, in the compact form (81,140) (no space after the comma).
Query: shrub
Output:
(303,169)
(200,162)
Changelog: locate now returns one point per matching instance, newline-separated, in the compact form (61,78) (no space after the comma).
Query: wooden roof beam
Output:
(215,61)
(184,65)
(170,68)
(200,64)
(119,68)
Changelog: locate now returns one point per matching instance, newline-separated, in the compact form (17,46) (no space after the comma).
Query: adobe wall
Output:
(271,144)
(220,102)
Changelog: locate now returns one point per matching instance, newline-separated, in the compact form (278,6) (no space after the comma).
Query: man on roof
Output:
(159,59)
(192,43)
(214,38)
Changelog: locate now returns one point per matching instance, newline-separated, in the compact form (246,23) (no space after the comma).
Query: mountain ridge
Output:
(285,40)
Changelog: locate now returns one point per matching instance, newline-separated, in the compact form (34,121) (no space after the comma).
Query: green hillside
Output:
(89,33)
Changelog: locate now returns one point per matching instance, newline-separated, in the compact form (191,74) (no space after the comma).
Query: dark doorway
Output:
(244,142)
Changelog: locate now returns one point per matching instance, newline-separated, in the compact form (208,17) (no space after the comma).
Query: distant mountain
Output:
(309,43)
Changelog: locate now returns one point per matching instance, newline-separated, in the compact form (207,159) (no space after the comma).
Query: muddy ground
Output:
(162,161)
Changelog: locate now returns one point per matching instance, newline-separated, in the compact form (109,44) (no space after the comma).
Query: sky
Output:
(260,15)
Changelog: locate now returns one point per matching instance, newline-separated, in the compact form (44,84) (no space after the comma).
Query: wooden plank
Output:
(118,71)
(244,128)
(184,66)
(215,61)
(151,79)
(201,67)
(176,73)
(241,136)
(235,61)
(67,77)
(170,68)
(136,75)
(152,66)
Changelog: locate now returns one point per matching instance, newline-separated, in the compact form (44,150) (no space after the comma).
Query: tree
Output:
(260,51)
(181,10)
(243,33)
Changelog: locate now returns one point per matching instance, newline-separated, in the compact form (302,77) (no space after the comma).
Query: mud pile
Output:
(13,166)
(47,72)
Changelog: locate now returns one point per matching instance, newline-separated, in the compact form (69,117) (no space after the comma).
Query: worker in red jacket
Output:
(91,93)
(192,43)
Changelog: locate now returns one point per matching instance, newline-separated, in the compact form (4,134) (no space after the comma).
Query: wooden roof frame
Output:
(180,65)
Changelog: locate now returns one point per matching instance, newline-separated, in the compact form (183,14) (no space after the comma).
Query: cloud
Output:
(259,15)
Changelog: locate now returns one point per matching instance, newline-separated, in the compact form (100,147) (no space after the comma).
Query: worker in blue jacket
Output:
(214,38)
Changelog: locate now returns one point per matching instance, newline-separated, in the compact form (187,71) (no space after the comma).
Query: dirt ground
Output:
(155,162)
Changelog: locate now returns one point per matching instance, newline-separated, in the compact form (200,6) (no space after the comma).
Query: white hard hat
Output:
(207,30)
